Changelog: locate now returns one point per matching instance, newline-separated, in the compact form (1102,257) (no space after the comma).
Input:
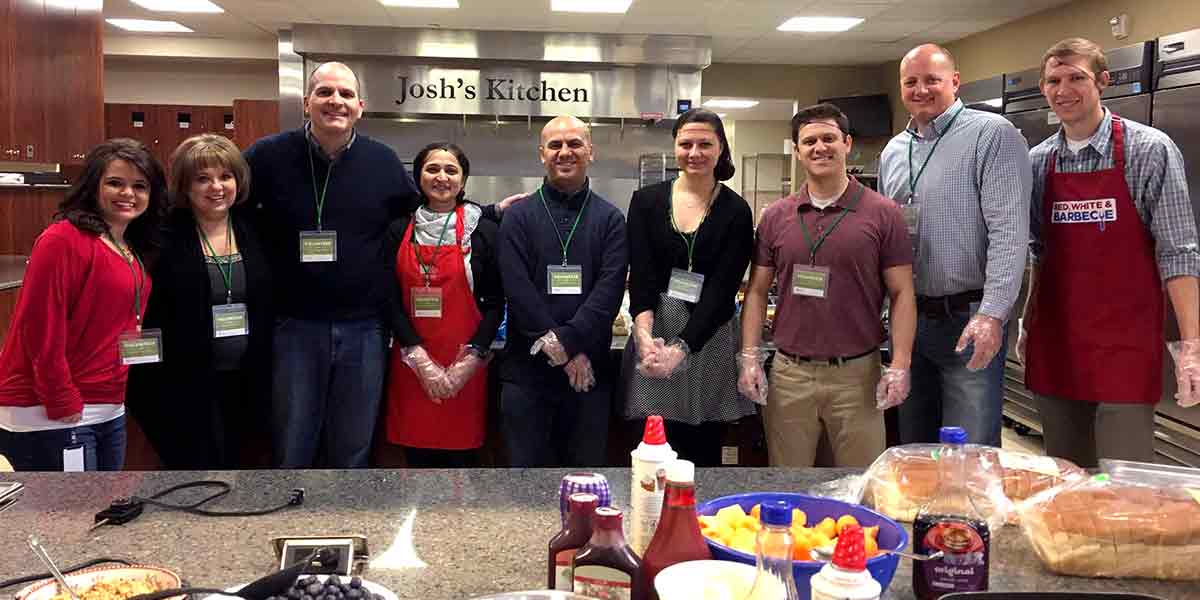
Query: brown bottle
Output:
(574,535)
(677,538)
(607,567)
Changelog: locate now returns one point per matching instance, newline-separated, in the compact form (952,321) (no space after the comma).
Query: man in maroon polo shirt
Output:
(837,249)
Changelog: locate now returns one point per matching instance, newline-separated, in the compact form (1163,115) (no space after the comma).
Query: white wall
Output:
(197,82)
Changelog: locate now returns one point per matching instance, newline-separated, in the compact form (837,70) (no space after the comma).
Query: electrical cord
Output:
(41,576)
(124,510)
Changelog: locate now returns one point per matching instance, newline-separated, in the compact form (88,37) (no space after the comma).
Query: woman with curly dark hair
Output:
(77,324)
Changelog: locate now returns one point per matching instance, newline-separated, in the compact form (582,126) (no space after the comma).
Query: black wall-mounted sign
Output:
(682,106)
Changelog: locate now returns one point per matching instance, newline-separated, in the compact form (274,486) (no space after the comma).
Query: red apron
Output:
(1097,334)
(413,419)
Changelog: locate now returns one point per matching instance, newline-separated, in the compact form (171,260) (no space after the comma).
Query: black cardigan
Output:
(489,293)
(180,305)
(723,247)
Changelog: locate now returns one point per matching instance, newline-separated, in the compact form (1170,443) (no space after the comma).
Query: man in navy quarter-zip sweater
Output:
(563,258)
(326,195)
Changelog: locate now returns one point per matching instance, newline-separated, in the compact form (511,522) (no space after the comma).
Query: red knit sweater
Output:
(76,301)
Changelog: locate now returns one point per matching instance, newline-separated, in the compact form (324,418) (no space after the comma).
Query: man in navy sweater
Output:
(326,195)
(563,258)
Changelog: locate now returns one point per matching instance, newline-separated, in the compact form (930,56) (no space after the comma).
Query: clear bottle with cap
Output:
(607,567)
(573,536)
(773,546)
(846,576)
(678,538)
(952,523)
(648,482)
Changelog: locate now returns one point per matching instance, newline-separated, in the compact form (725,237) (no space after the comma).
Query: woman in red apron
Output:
(445,313)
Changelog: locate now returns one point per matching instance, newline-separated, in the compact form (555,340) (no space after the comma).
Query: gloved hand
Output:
(668,360)
(893,388)
(1186,354)
(986,334)
(580,374)
(556,355)
(752,380)
(1022,341)
(463,369)
(431,375)
(647,344)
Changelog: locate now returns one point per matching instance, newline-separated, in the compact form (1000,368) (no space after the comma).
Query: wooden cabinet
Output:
(8,305)
(162,127)
(24,213)
(254,119)
(26,76)
(80,82)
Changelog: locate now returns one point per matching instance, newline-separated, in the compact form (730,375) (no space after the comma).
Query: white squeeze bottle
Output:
(649,479)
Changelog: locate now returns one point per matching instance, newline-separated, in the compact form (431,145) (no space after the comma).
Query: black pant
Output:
(428,458)
(204,435)
(700,444)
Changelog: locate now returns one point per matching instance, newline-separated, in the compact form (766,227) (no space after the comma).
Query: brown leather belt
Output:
(836,361)
(945,306)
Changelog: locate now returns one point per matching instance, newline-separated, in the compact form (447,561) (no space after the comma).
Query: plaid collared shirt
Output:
(1154,172)
(974,205)
(308,134)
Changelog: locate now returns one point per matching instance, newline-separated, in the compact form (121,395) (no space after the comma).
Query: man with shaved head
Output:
(962,177)
(325,195)
(563,258)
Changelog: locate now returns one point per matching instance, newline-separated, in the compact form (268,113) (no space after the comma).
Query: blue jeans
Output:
(328,383)
(554,426)
(103,447)
(944,392)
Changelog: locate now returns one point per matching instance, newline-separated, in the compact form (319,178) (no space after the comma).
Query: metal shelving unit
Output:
(765,179)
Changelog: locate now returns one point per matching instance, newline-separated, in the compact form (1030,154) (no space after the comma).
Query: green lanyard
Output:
(226,277)
(689,240)
(137,285)
(427,268)
(912,181)
(312,169)
(567,244)
(812,252)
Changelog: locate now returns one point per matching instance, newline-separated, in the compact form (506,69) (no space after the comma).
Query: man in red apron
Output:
(1111,220)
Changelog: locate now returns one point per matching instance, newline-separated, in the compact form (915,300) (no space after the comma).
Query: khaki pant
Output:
(804,396)
(1084,432)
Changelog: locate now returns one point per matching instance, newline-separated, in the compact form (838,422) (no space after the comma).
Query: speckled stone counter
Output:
(478,531)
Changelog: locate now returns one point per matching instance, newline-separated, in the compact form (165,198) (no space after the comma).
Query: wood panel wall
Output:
(255,119)
(24,213)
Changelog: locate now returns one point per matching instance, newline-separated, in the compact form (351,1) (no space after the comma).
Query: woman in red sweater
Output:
(77,324)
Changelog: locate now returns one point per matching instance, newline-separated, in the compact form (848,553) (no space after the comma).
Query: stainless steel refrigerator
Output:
(984,94)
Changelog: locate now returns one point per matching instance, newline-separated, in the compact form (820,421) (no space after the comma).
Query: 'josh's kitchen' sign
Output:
(501,90)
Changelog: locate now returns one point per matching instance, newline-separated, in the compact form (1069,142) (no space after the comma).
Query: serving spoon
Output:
(39,551)
(825,554)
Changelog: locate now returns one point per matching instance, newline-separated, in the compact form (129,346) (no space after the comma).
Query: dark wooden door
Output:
(6,58)
(30,44)
(254,119)
(80,73)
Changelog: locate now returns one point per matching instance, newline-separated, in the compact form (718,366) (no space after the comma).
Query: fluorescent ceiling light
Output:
(181,6)
(148,25)
(731,103)
(76,4)
(590,6)
(819,24)
(421,3)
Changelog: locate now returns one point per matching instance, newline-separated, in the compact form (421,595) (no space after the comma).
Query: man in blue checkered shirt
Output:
(962,177)
(1111,220)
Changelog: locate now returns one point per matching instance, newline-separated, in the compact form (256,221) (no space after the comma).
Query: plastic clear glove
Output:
(580,374)
(431,375)
(893,388)
(647,344)
(1022,340)
(1186,354)
(667,360)
(463,369)
(548,344)
(986,333)
(752,379)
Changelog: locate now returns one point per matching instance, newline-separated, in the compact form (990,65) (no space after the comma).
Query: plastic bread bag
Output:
(1026,474)
(847,488)
(1142,522)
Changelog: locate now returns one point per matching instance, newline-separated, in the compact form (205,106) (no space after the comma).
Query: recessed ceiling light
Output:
(182,6)
(819,24)
(148,25)
(590,6)
(731,103)
(421,3)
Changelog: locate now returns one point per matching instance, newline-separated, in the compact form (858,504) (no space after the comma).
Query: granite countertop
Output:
(12,270)
(478,531)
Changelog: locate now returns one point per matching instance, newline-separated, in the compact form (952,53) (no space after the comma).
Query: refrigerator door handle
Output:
(1173,47)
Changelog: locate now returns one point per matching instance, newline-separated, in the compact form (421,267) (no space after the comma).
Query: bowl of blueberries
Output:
(327,587)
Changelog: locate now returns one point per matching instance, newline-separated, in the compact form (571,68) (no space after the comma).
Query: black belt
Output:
(945,306)
(836,361)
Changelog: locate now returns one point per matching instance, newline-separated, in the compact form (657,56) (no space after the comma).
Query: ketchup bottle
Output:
(573,536)
(607,567)
(677,538)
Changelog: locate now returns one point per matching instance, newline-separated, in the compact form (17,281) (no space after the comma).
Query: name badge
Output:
(564,280)
(912,216)
(1084,211)
(230,320)
(427,303)
(140,347)
(318,246)
(685,285)
(810,281)
(73,459)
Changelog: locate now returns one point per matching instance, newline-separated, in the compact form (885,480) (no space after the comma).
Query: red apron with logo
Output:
(413,419)
(1097,333)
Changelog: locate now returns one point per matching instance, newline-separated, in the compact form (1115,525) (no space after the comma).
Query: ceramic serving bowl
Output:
(82,580)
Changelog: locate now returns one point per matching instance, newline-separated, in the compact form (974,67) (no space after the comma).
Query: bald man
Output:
(963,179)
(563,258)
(325,195)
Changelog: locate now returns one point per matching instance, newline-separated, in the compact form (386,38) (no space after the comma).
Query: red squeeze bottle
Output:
(678,538)
(573,536)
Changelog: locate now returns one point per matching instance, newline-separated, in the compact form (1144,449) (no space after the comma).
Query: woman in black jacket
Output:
(447,306)
(212,301)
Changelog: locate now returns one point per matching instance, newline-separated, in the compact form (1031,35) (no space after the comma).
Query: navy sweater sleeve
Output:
(735,243)
(518,265)
(489,292)
(594,318)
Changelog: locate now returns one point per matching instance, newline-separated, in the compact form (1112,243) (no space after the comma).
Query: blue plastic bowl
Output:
(892,535)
